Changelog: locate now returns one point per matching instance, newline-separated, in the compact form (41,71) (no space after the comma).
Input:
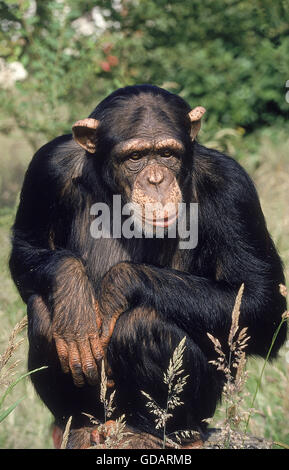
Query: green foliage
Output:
(229,56)
(7,411)
(61,66)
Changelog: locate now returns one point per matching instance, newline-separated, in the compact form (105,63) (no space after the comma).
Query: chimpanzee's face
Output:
(147,170)
(146,144)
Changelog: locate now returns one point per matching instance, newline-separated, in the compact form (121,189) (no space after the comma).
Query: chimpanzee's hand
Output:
(76,323)
(83,326)
(78,345)
(115,295)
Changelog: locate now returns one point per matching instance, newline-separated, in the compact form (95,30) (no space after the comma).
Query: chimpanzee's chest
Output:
(101,254)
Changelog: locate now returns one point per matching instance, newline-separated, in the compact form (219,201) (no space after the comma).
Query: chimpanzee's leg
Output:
(139,352)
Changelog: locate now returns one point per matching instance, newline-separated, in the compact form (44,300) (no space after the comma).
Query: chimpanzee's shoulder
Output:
(212,166)
(56,145)
(54,160)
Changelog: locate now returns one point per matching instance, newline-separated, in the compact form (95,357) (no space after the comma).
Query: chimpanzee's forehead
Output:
(146,144)
(146,119)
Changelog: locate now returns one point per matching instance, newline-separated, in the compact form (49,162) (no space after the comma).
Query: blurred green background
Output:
(58,59)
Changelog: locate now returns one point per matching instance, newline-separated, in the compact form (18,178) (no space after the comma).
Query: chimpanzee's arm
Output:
(199,305)
(65,304)
(234,248)
(34,258)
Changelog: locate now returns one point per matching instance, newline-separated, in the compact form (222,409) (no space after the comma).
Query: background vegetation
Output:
(59,58)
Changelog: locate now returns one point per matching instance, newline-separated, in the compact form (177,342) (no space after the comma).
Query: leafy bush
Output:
(229,56)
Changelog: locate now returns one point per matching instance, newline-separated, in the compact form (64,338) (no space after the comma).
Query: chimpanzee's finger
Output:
(98,315)
(62,351)
(107,330)
(89,367)
(75,364)
(96,346)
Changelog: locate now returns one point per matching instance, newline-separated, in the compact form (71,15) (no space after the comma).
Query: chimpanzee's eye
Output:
(167,153)
(135,156)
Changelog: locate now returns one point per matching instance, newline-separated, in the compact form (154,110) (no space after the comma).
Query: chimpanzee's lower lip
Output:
(161,222)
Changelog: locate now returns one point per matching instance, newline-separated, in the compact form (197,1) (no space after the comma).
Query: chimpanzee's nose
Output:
(155,175)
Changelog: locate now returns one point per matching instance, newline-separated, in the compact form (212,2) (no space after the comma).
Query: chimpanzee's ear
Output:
(84,133)
(195,117)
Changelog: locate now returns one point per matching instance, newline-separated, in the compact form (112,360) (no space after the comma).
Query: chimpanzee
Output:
(131,299)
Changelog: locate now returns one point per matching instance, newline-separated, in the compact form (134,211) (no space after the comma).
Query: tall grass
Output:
(28,426)
(284,319)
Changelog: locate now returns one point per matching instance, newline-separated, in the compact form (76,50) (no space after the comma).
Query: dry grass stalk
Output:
(235,317)
(175,382)
(115,435)
(235,381)
(185,436)
(66,433)
(107,403)
(173,377)
(6,372)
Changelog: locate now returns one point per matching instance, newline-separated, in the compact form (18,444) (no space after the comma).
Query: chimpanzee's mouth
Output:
(165,221)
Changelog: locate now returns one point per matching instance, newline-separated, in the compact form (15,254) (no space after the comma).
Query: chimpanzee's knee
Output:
(139,354)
